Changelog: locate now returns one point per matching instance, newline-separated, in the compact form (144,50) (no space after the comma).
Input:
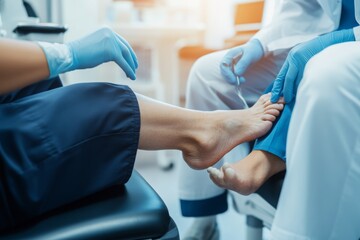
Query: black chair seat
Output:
(133,211)
(271,189)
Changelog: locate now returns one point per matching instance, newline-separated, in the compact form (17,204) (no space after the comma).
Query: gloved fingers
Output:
(216,175)
(229,57)
(278,84)
(126,68)
(122,51)
(227,65)
(242,64)
(132,52)
(290,82)
(242,79)
(228,74)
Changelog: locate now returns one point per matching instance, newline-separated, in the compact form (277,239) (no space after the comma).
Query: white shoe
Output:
(203,229)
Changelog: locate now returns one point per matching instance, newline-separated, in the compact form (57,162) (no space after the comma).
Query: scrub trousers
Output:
(320,198)
(59,144)
(207,90)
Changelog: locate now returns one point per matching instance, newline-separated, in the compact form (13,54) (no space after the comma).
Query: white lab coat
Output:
(320,197)
(207,90)
(297,21)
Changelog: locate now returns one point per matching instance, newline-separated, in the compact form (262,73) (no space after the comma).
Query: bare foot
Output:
(248,174)
(221,131)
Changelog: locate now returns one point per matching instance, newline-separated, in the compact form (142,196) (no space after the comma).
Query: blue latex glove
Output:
(238,59)
(99,47)
(291,73)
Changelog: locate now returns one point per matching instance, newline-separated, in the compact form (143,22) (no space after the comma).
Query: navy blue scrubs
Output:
(275,141)
(59,144)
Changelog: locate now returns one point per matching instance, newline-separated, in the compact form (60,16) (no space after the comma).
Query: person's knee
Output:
(205,70)
(324,74)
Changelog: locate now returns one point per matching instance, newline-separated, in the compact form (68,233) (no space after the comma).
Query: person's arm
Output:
(293,23)
(21,64)
(291,73)
(24,63)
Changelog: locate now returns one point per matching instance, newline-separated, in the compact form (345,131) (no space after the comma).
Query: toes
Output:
(212,171)
(265,98)
(277,106)
(229,173)
(281,100)
(269,117)
(222,177)
(273,112)
(268,103)
(216,176)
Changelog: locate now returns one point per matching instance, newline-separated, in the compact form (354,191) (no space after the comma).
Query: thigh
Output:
(35,88)
(64,144)
(208,90)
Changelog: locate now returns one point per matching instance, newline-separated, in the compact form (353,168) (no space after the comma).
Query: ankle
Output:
(198,133)
(267,163)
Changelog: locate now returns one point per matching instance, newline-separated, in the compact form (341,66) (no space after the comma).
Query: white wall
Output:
(82,17)
(219,23)
(40,8)
(220,19)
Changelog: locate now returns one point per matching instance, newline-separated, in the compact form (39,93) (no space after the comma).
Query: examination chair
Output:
(130,211)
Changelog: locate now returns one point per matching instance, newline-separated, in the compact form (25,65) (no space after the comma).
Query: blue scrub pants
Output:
(59,144)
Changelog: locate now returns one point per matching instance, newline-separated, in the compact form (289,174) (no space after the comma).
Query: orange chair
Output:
(247,21)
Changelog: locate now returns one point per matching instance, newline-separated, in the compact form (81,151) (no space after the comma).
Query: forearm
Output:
(290,28)
(21,64)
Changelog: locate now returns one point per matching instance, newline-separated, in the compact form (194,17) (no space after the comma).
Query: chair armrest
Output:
(27,28)
(45,32)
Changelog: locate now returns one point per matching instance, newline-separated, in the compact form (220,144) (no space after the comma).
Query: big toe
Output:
(229,173)
(217,176)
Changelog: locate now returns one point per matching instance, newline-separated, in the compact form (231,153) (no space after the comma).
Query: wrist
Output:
(58,56)
(349,35)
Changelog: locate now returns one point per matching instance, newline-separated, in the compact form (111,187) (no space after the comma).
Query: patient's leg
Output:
(203,137)
(267,159)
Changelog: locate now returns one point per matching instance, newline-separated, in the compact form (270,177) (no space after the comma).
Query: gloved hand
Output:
(238,59)
(291,73)
(99,47)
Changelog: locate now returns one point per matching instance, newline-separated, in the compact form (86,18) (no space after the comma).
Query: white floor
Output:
(165,184)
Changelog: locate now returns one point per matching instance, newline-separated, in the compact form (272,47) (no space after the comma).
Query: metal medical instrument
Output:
(238,81)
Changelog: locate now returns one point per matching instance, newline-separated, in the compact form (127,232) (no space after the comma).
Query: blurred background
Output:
(167,36)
